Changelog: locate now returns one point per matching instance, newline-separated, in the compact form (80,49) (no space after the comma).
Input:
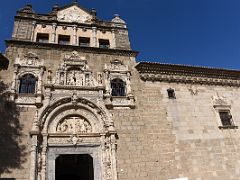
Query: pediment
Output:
(74,14)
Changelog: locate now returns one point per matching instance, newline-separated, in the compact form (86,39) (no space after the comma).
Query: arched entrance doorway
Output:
(74,167)
(73,129)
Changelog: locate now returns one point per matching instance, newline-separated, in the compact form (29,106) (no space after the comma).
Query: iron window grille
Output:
(118,87)
(27,84)
(226,118)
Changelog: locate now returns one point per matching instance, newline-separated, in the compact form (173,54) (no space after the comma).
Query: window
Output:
(84,42)
(118,87)
(171,93)
(64,39)
(226,118)
(27,84)
(104,43)
(42,38)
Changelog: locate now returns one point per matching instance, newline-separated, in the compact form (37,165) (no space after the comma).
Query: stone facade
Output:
(146,121)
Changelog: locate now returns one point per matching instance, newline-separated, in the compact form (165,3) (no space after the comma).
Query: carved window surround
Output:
(73,73)
(118,70)
(220,104)
(30,64)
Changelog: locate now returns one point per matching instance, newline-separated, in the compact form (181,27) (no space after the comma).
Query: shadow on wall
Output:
(12,153)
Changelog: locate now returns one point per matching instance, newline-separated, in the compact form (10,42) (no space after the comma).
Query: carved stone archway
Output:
(73,125)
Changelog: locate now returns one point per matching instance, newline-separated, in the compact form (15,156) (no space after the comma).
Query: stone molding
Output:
(120,52)
(188,74)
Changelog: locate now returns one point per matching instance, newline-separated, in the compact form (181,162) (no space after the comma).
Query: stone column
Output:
(39,84)
(14,83)
(53,38)
(94,37)
(48,95)
(75,40)
(33,30)
(44,158)
(114,160)
(33,155)
(114,46)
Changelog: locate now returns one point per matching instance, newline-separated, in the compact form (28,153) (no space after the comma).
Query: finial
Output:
(75,2)
(93,12)
(55,7)
(116,15)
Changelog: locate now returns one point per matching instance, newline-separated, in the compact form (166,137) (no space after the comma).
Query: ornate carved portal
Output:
(65,128)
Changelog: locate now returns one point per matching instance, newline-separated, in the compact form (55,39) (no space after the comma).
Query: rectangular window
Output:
(171,93)
(42,37)
(226,118)
(104,43)
(63,39)
(84,41)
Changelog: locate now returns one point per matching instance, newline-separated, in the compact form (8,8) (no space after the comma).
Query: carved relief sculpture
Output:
(74,72)
(74,125)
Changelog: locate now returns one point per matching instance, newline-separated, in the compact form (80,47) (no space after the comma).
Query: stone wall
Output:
(169,138)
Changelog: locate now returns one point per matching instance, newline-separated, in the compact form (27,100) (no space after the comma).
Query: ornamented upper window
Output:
(27,80)
(118,85)
(223,113)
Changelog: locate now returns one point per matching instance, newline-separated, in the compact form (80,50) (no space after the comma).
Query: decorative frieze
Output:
(187,74)
(189,79)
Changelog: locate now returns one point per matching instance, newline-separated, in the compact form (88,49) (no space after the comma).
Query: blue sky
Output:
(195,32)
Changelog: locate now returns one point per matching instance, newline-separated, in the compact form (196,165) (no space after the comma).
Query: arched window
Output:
(118,87)
(27,84)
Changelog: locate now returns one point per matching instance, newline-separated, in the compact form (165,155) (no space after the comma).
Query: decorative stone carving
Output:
(74,72)
(30,59)
(27,100)
(73,14)
(74,125)
(189,79)
(118,70)
(219,101)
(29,64)
(116,66)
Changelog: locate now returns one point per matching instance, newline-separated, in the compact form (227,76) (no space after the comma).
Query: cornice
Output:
(188,74)
(20,43)
(49,19)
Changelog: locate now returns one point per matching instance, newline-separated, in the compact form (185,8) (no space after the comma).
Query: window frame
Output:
(30,87)
(62,38)
(170,90)
(224,108)
(102,45)
(84,44)
(120,87)
(46,40)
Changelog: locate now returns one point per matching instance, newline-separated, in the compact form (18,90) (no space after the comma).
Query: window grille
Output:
(64,39)
(118,87)
(42,38)
(84,42)
(104,43)
(27,84)
(226,118)
(171,93)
